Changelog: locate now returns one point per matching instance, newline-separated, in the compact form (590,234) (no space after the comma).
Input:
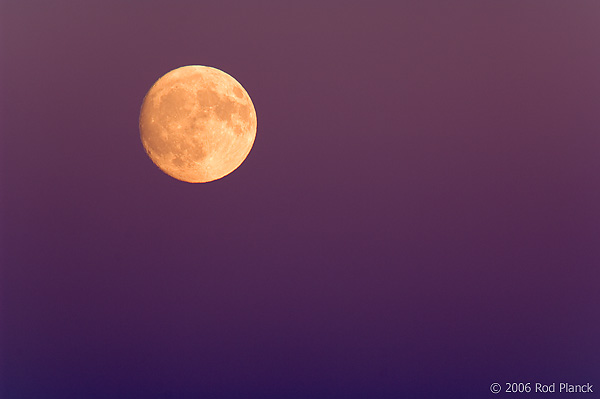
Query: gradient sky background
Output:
(419,216)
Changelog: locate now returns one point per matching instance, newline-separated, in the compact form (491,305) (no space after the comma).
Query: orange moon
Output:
(197,124)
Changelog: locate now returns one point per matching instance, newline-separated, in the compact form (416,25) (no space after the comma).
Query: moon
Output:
(197,124)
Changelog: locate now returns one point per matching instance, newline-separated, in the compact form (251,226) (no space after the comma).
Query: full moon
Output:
(197,124)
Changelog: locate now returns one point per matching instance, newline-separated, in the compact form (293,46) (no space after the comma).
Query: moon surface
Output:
(197,124)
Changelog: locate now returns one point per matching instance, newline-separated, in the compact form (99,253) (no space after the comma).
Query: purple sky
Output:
(419,216)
